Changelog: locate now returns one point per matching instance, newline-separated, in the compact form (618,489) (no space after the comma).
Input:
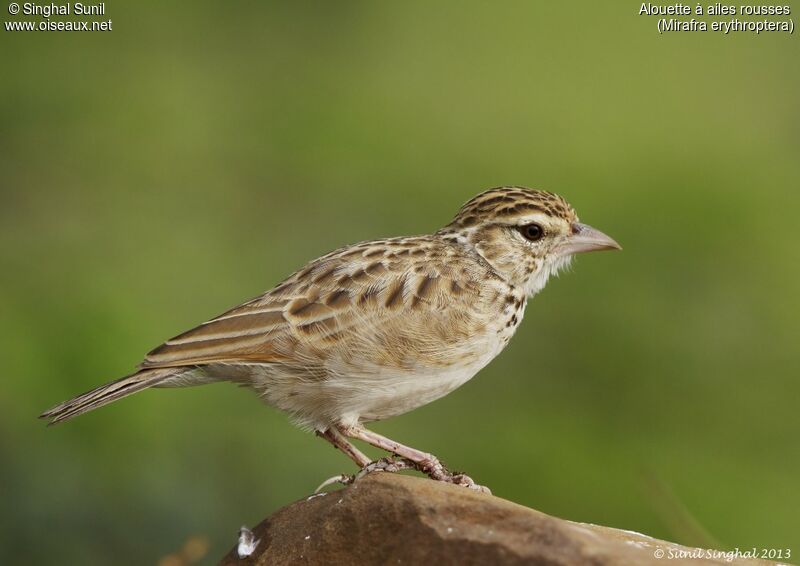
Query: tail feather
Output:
(108,393)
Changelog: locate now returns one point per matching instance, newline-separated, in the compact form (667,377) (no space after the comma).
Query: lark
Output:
(376,329)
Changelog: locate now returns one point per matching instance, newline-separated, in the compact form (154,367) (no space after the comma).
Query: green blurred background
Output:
(158,174)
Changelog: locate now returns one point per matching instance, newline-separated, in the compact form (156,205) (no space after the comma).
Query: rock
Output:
(394,519)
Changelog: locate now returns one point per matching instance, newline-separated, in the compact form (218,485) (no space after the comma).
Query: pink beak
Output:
(584,238)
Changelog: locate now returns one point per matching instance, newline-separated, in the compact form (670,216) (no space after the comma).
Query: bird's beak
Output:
(584,238)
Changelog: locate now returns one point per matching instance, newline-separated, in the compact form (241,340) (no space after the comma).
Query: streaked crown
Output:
(526,235)
(508,203)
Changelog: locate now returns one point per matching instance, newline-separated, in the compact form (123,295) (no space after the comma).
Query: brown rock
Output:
(394,519)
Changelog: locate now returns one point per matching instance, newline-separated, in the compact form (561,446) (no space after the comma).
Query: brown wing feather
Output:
(244,332)
(367,285)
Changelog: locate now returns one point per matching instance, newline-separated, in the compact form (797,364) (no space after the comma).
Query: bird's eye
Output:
(532,232)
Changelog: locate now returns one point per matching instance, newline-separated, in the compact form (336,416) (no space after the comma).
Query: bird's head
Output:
(526,235)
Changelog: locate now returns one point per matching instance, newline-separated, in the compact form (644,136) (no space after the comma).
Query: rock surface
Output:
(394,519)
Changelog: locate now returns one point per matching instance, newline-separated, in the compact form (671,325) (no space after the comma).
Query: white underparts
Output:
(549,267)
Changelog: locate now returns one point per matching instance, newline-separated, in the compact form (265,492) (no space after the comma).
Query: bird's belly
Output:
(348,391)
(386,392)
(399,393)
(352,394)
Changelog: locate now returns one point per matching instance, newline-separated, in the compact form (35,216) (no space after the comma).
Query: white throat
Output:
(550,267)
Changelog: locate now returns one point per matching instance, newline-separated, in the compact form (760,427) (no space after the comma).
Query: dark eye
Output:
(532,232)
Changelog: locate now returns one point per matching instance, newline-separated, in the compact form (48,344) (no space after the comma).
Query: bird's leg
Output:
(335,437)
(410,458)
(422,461)
(425,463)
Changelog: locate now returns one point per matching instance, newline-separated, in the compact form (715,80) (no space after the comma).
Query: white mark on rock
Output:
(584,529)
(308,537)
(247,543)
(635,533)
(637,543)
(449,529)
(320,494)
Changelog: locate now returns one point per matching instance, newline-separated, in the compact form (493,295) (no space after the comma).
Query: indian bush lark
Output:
(376,329)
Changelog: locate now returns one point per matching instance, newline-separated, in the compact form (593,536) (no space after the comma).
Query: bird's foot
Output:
(382,465)
(432,468)
(435,470)
(385,465)
(341,478)
(465,481)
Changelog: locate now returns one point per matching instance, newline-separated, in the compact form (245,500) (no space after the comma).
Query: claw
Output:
(382,465)
(465,481)
(386,465)
(341,478)
(433,469)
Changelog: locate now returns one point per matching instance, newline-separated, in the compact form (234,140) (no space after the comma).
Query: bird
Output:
(378,328)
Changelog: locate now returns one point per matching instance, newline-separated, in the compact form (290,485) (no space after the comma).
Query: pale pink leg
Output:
(424,462)
(335,437)
(427,463)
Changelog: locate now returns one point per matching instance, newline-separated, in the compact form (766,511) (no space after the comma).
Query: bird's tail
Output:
(108,393)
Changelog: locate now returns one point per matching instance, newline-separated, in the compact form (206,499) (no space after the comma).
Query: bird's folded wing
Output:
(337,300)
